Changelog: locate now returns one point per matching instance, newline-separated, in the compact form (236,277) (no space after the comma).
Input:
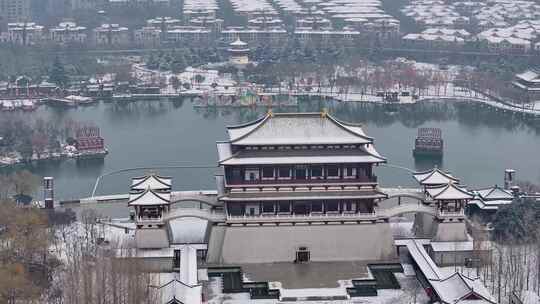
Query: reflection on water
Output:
(479,143)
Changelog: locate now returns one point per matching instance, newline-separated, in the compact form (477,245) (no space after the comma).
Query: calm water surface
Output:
(479,144)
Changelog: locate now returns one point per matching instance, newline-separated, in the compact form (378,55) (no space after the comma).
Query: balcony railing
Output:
(450,214)
(148,219)
(310,181)
(302,217)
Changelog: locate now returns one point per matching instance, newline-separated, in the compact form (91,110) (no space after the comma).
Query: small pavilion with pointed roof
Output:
(238,52)
(151,181)
(150,204)
(434,177)
(450,197)
(150,196)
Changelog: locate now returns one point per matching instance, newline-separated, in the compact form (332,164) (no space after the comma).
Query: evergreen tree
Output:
(58,73)
(179,64)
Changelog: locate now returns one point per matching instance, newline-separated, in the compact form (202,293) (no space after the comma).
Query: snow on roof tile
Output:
(451,191)
(494,193)
(152,181)
(297,129)
(434,176)
(149,197)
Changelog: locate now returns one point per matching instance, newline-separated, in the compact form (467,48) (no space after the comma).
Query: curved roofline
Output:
(157,177)
(260,122)
(344,125)
(491,189)
(432,171)
(249,123)
(453,185)
(146,191)
(146,176)
(465,280)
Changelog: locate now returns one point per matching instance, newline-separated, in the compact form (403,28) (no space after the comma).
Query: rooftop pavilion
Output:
(150,196)
(152,181)
(434,177)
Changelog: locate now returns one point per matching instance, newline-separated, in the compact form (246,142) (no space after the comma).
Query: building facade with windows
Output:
(68,32)
(15,10)
(24,33)
(291,184)
(111,35)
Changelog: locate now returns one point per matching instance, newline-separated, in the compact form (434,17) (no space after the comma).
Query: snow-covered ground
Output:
(410,290)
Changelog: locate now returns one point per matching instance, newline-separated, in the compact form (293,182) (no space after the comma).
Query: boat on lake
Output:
(428,143)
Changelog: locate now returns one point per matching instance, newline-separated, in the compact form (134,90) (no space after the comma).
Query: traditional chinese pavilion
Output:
(434,177)
(150,196)
(294,182)
(429,142)
(239,52)
(88,139)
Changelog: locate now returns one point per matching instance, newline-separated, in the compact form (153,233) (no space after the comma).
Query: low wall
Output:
(331,242)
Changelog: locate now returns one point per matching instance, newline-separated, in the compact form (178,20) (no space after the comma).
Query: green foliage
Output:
(58,73)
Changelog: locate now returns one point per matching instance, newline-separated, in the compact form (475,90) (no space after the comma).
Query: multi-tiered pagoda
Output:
(300,187)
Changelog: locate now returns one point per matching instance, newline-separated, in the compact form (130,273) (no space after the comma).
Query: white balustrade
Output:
(302,217)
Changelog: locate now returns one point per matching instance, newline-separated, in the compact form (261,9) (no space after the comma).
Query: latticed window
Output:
(268,172)
(316,171)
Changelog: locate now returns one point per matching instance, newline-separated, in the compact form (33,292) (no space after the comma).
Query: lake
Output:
(479,143)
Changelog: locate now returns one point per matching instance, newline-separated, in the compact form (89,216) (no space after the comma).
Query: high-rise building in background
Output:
(14,10)
(86,4)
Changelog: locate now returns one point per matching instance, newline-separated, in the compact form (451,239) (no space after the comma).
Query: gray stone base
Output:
(325,242)
(151,238)
(451,232)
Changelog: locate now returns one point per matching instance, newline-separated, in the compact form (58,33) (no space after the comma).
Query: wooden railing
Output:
(302,217)
(310,181)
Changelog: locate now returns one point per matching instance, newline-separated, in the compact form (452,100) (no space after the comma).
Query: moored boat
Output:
(428,143)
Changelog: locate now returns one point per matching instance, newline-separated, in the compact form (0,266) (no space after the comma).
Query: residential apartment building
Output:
(15,10)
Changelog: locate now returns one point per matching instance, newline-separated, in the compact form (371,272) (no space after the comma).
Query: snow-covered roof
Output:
(433,177)
(452,289)
(149,197)
(494,193)
(529,76)
(238,42)
(458,288)
(283,157)
(452,246)
(297,129)
(152,181)
(450,191)
(489,205)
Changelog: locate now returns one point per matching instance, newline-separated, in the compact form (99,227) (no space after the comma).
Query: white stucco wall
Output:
(339,242)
